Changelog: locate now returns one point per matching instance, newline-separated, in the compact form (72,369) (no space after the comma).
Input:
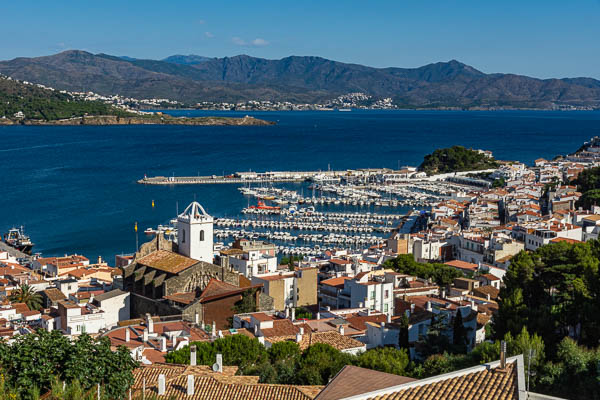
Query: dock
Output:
(13,252)
(263,177)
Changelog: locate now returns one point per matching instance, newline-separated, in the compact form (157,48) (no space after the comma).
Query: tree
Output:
(403,342)
(442,274)
(319,363)
(26,294)
(459,332)
(37,359)
(384,359)
(238,350)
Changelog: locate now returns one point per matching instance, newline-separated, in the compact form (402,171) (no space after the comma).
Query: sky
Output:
(550,38)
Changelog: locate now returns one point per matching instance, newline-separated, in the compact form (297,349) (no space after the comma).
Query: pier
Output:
(265,177)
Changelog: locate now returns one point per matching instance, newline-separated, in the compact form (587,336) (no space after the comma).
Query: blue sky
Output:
(538,38)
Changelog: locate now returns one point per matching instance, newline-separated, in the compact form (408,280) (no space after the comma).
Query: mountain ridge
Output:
(300,79)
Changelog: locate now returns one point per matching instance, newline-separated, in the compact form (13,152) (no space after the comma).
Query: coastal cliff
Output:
(142,120)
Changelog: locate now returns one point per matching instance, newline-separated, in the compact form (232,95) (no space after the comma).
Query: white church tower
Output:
(195,233)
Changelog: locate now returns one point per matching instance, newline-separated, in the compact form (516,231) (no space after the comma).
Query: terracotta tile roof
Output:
(352,381)
(281,327)
(359,322)
(462,265)
(335,282)
(210,385)
(483,291)
(339,261)
(216,289)
(54,294)
(332,338)
(477,383)
(182,297)
(167,261)
(20,307)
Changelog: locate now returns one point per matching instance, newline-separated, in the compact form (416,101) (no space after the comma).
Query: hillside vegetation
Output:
(45,104)
(456,159)
(298,79)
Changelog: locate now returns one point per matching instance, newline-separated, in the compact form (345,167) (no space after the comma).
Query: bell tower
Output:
(195,233)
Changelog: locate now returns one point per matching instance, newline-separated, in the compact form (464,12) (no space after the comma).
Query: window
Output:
(387,294)
(385,308)
(372,295)
(183,236)
(202,236)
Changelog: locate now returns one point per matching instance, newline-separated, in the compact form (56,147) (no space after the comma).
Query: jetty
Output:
(265,177)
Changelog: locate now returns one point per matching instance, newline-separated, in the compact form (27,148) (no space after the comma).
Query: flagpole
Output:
(137,246)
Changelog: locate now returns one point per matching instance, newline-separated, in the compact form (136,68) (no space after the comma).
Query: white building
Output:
(195,233)
(75,319)
(374,294)
(115,305)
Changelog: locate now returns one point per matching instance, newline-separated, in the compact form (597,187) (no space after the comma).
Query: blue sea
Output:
(74,188)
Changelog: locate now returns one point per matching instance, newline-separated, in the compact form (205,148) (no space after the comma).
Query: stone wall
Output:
(141,305)
(265,302)
(198,276)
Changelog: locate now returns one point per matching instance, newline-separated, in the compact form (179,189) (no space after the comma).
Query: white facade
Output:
(373,295)
(255,264)
(75,320)
(115,305)
(380,335)
(195,233)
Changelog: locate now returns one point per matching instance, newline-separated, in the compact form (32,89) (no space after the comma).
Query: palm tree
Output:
(26,294)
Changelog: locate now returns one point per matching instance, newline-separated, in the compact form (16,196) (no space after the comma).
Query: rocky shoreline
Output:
(142,120)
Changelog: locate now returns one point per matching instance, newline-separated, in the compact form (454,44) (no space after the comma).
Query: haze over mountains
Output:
(296,79)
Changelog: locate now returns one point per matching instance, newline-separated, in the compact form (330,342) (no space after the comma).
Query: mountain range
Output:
(193,78)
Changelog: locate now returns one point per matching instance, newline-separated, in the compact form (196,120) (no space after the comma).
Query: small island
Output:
(457,159)
(24,103)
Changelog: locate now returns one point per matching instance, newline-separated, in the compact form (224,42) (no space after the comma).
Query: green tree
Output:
(26,294)
(384,359)
(319,363)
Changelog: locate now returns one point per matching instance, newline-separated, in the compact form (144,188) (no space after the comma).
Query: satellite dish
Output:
(215,367)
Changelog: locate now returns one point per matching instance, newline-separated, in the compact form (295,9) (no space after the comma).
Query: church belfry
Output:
(195,233)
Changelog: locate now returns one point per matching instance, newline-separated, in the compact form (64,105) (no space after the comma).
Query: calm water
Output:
(74,190)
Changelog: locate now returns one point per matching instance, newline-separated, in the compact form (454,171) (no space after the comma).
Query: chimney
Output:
(488,297)
(163,344)
(99,259)
(293,314)
(190,385)
(341,329)
(219,363)
(298,337)
(149,323)
(145,335)
(428,306)
(192,357)
(127,335)
(318,315)
(161,384)
(213,332)
(196,318)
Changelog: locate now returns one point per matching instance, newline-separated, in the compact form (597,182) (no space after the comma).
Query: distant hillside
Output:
(186,60)
(298,79)
(29,102)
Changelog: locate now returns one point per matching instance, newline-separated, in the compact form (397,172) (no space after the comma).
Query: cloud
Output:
(208,35)
(201,22)
(238,41)
(260,42)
